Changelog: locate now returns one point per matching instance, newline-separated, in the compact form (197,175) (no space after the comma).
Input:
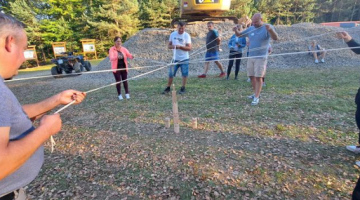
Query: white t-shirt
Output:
(182,40)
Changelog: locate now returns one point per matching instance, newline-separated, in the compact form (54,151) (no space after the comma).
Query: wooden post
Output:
(167,122)
(194,123)
(175,111)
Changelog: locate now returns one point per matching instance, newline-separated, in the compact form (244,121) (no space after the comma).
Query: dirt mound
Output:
(150,48)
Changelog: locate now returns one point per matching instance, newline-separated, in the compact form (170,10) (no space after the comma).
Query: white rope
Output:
(99,88)
(228,32)
(151,60)
(73,74)
(52,141)
(93,90)
(264,47)
(302,39)
(193,54)
(171,63)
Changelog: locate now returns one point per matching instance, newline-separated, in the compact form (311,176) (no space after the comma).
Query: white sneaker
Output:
(357,163)
(255,101)
(120,97)
(354,149)
(251,96)
(316,61)
(127,96)
(322,60)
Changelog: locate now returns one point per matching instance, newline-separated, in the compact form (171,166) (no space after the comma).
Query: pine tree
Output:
(5,6)
(157,13)
(113,18)
(241,8)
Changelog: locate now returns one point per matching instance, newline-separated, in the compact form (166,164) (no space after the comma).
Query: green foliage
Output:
(113,18)
(157,13)
(241,8)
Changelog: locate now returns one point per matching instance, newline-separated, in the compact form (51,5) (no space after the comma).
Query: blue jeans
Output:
(183,65)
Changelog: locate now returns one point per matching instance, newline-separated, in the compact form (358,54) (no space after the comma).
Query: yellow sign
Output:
(30,53)
(89,46)
(59,48)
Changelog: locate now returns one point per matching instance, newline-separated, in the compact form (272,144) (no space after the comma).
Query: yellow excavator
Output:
(203,10)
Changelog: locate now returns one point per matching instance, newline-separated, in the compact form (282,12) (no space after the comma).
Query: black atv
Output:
(68,64)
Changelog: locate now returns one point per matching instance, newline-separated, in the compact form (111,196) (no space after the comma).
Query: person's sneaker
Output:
(322,60)
(127,96)
(357,163)
(248,80)
(251,96)
(236,78)
(120,97)
(255,101)
(167,90)
(202,76)
(264,84)
(182,90)
(316,61)
(354,149)
(222,74)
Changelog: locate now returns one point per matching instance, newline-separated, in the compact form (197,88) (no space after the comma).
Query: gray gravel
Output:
(151,44)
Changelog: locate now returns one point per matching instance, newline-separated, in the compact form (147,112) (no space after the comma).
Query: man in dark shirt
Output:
(352,43)
(356,149)
(212,50)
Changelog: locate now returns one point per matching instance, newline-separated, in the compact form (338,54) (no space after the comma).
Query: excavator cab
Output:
(203,10)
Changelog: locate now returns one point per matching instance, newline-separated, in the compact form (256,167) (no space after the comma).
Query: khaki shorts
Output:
(256,67)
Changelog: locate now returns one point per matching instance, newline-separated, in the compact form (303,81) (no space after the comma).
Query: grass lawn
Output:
(48,67)
(290,146)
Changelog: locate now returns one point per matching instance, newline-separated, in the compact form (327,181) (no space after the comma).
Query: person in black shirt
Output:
(356,149)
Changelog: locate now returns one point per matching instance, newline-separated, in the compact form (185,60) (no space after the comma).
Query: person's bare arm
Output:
(349,41)
(272,32)
(65,97)
(187,47)
(218,41)
(238,30)
(344,35)
(13,154)
(170,45)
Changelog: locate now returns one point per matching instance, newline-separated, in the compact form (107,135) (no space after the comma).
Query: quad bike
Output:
(69,63)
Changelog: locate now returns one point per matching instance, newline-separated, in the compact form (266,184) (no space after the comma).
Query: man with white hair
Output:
(259,35)
(21,144)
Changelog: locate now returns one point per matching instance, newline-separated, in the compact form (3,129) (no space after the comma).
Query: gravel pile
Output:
(150,49)
(150,45)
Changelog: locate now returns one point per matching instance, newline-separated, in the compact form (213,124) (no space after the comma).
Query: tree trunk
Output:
(43,54)
(340,10)
(353,11)
(333,11)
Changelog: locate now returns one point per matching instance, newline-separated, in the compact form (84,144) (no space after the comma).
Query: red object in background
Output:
(348,24)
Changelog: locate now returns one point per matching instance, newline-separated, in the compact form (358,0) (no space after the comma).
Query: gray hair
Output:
(9,23)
